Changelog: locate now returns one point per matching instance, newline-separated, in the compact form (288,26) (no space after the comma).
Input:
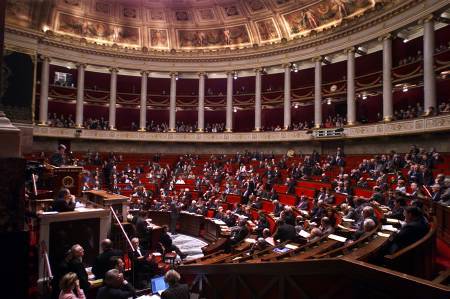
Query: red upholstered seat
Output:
(287,199)
(232,198)
(267,206)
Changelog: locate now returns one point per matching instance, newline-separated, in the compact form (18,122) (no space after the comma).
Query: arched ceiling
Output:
(185,25)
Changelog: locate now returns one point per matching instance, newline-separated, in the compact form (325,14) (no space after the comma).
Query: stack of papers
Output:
(337,238)
(304,234)
(389,227)
(384,235)
(348,220)
(249,240)
(392,220)
(291,246)
(219,222)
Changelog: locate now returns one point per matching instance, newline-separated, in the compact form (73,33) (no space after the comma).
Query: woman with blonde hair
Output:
(68,284)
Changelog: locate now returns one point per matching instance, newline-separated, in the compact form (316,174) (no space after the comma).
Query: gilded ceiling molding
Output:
(266,54)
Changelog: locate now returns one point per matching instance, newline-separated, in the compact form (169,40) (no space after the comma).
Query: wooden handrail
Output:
(122,229)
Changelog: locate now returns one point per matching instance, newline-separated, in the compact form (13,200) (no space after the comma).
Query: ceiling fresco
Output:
(185,24)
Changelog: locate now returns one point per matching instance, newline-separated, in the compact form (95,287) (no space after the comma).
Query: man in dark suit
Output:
(144,266)
(103,262)
(142,228)
(59,158)
(64,202)
(166,242)
(290,182)
(115,287)
(284,231)
(414,229)
(76,266)
(175,289)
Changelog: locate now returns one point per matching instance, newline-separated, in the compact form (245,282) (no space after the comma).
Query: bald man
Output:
(103,262)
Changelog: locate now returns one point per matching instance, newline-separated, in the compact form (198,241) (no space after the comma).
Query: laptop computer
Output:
(158,285)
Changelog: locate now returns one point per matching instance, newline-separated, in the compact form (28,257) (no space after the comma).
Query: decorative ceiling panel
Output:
(186,24)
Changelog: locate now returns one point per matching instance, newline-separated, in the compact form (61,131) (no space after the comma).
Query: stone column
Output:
(258,99)
(229,119)
(429,77)
(351,103)
(43,101)
(80,95)
(318,92)
(287,96)
(201,103)
(173,102)
(143,108)
(388,106)
(112,98)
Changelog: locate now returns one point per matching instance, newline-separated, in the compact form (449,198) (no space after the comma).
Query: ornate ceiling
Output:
(185,25)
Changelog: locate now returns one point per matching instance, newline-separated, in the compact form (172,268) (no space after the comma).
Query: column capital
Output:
(113,70)
(81,65)
(144,73)
(317,59)
(350,50)
(201,74)
(173,74)
(385,37)
(44,58)
(258,70)
(426,19)
(286,65)
(228,73)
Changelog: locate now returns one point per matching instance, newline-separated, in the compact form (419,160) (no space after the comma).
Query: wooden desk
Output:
(59,231)
(190,224)
(67,177)
(106,200)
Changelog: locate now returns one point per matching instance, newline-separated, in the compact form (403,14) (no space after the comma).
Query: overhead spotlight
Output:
(234,109)
(235,75)
(405,88)
(294,68)
(45,28)
(364,96)
(326,60)
(329,101)
(264,71)
(176,76)
(361,50)
(403,36)
(296,106)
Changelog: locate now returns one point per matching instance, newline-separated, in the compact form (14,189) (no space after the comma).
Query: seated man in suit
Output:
(414,229)
(259,245)
(175,289)
(64,202)
(115,286)
(261,224)
(238,234)
(103,262)
(284,231)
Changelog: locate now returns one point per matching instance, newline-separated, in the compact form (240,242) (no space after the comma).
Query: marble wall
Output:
(441,141)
